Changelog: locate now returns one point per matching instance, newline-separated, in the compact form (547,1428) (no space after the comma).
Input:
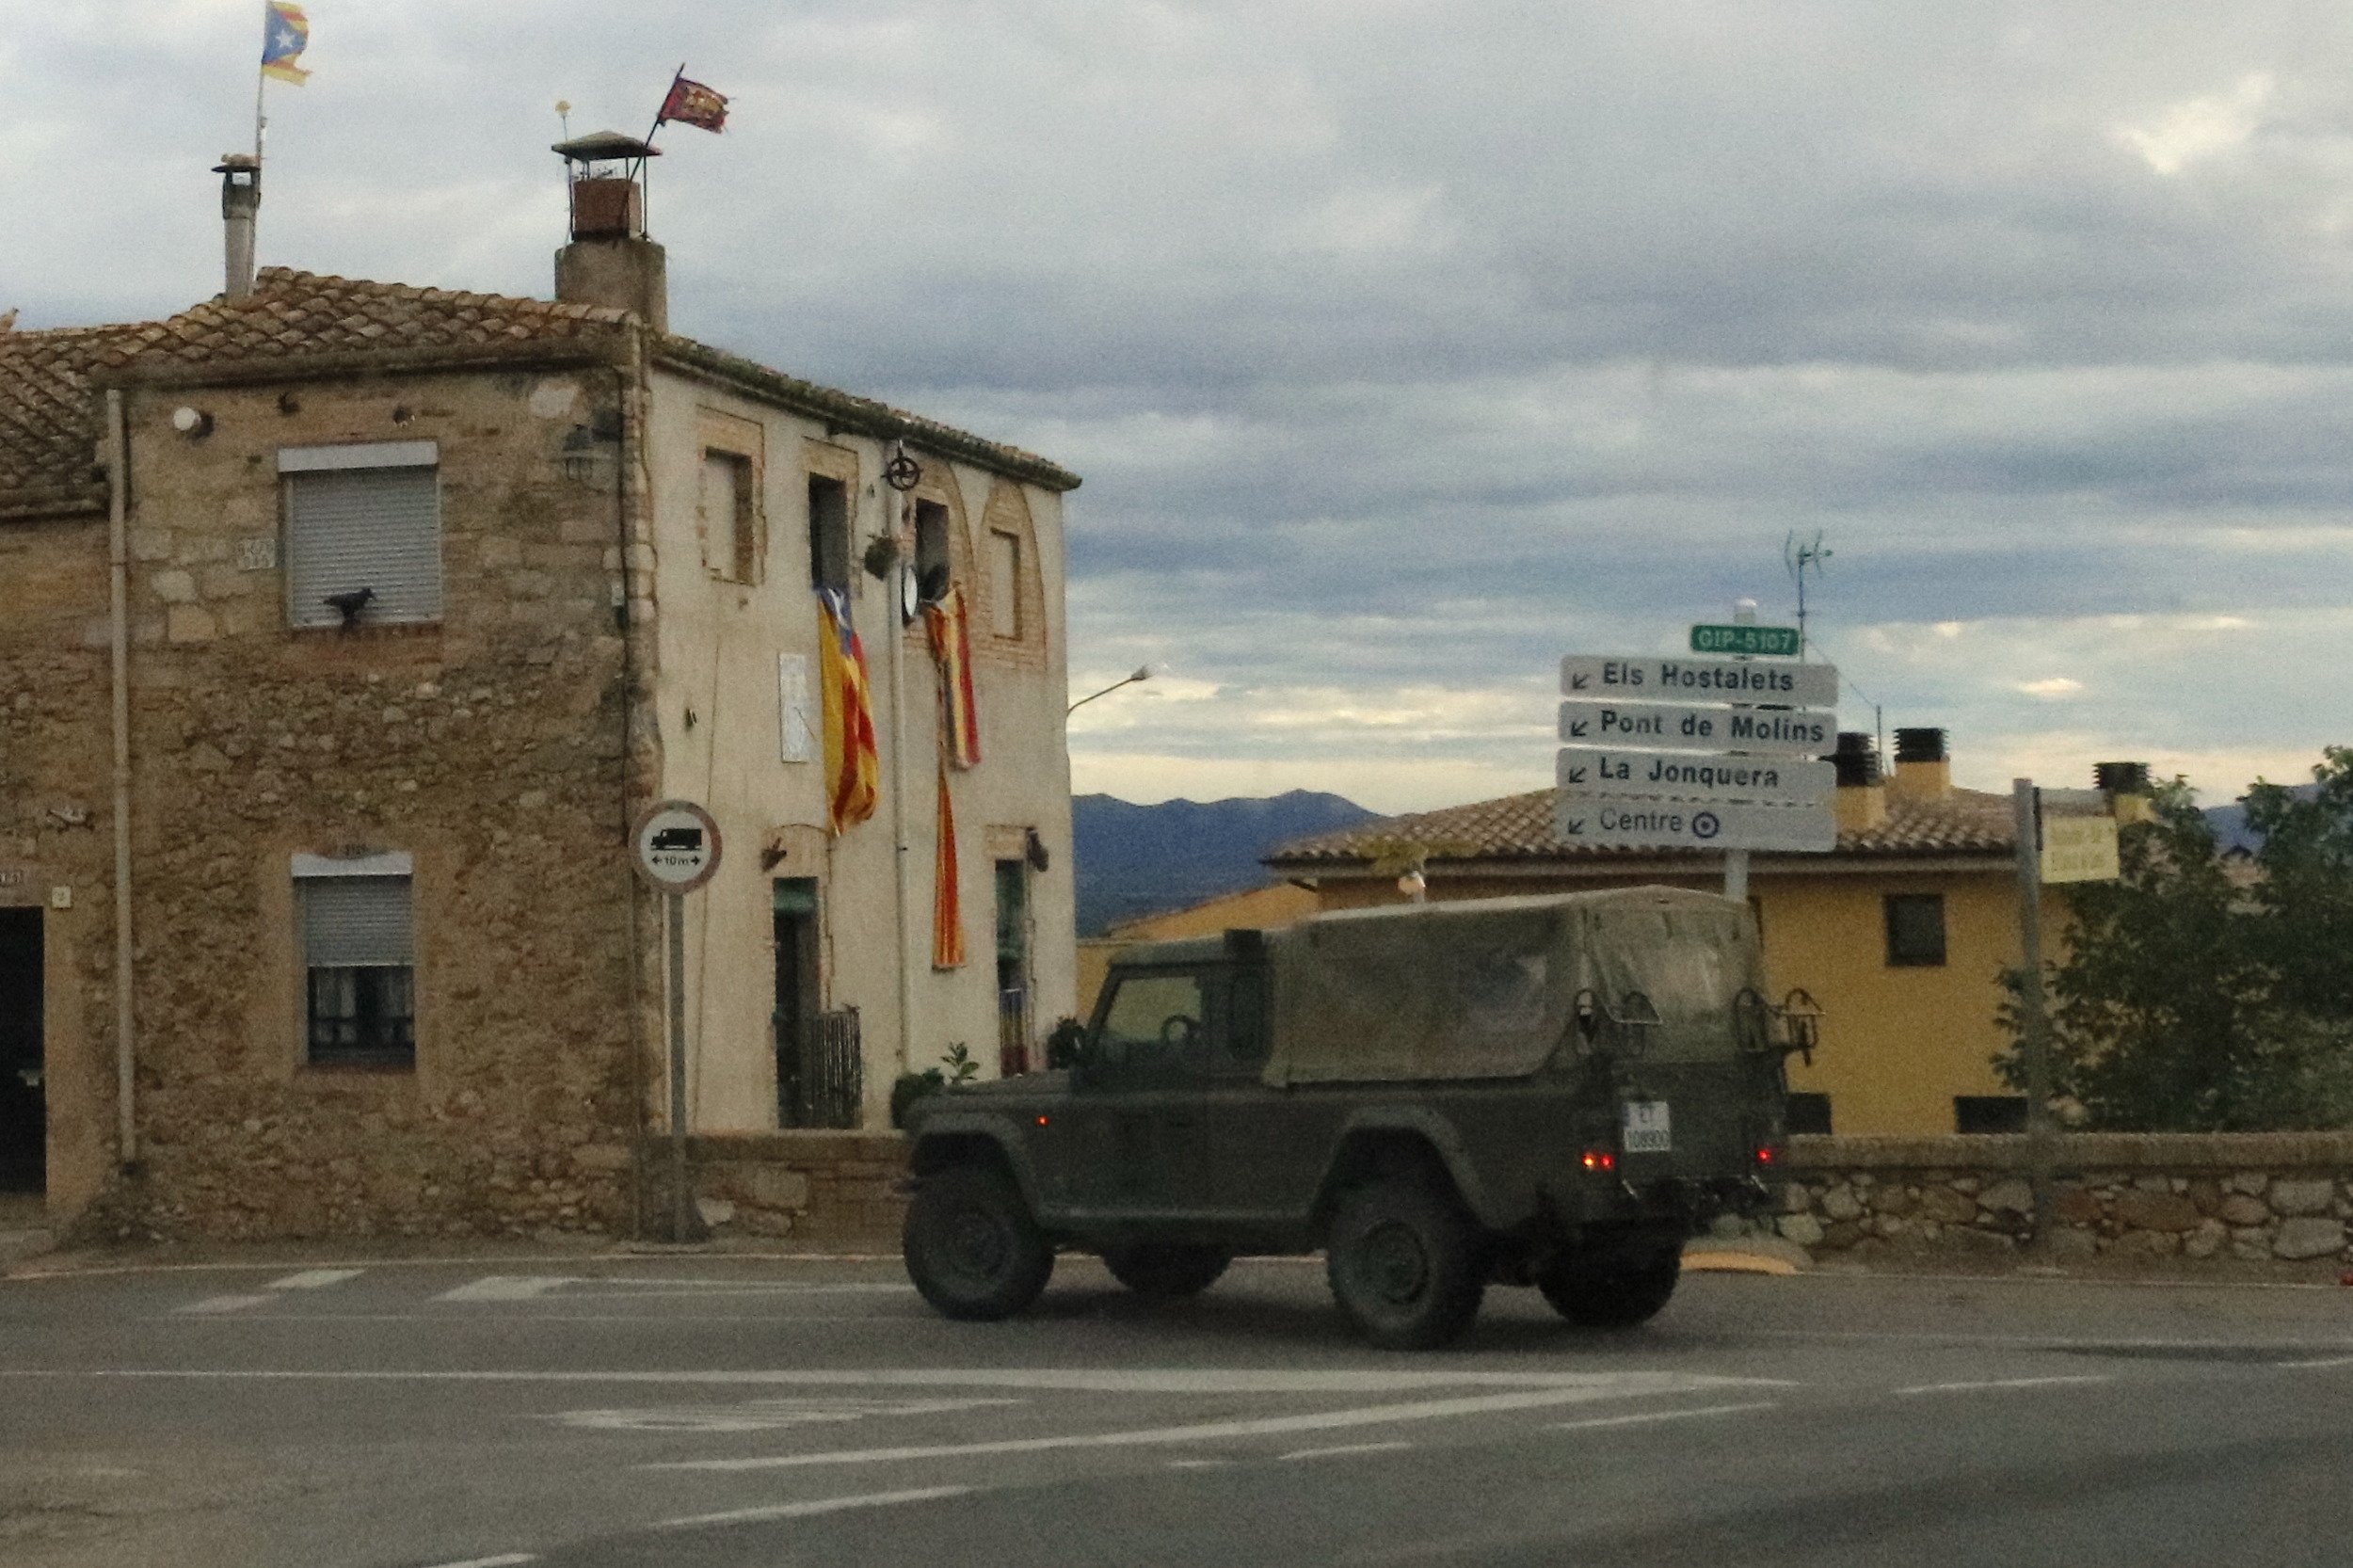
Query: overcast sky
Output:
(1405,346)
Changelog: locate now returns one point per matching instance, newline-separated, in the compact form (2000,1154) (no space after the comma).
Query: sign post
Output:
(677,845)
(2027,814)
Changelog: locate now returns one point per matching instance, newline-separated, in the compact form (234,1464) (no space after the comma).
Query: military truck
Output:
(1551,1090)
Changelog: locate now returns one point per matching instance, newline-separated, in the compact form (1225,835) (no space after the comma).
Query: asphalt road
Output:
(582,1412)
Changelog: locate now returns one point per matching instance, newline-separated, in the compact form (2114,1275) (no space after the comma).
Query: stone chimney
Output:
(610,261)
(1922,770)
(240,205)
(1861,800)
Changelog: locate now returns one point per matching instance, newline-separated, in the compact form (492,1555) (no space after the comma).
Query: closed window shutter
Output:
(364,528)
(357,922)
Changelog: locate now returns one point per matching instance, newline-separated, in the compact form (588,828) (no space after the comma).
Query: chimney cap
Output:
(236,163)
(1920,743)
(604,147)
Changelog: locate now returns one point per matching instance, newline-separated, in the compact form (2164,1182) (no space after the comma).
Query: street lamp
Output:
(1143,672)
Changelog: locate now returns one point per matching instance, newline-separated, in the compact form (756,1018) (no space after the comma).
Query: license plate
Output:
(1645,1129)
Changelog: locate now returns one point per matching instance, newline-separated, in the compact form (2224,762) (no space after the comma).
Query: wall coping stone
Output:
(2171,1152)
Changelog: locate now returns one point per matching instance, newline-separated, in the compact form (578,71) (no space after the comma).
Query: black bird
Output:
(349,604)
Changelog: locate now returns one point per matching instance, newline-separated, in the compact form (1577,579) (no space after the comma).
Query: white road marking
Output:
(1558,1388)
(1345,1448)
(509,1561)
(1649,1416)
(313,1279)
(524,1287)
(1992,1384)
(820,1505)
(761,1414)
(2316,1365)
(1264,1425)
(1198,1464)
(214,1305)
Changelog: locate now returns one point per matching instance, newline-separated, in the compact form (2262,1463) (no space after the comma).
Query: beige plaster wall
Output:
(719,640)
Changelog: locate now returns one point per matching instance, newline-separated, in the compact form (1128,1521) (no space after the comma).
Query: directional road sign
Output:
(1780,731)
(1648,678)
(1776,642)
(1694,776)
(1689,824)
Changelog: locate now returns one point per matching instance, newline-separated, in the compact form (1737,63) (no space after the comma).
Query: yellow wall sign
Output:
(2080,849)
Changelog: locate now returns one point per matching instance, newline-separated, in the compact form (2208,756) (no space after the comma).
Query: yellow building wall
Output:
(1255,909)
(1898,1043)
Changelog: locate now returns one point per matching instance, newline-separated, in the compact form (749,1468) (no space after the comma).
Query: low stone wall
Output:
(813,1187)
(2254,1197)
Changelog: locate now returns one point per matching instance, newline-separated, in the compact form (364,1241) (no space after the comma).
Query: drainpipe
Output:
(119,589)
(902,858)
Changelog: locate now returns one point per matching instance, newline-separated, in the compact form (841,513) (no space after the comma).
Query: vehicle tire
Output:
(1620,1294)
(971,1247)
(1166,1273)
(1403,1260)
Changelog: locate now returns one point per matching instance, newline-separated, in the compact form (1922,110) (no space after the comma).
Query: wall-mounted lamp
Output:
(195,423)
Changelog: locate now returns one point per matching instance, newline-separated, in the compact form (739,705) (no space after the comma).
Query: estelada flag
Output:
(853,763)
(952,646)
(285,34)
(693,103)
(947,889)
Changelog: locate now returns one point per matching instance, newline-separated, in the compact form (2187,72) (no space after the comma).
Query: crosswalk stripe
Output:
(212,1306)
(313,1279)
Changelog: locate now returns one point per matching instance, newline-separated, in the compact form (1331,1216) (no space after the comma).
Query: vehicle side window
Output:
(1244,1042)
(1154,1024)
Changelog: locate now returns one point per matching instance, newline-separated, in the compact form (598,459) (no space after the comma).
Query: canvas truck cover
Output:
(1488,987)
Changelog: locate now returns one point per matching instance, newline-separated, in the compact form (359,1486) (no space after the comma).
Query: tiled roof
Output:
(49,419)
(1519,828)
(48,436)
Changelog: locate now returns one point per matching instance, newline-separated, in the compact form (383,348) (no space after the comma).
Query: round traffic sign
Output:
(678,846)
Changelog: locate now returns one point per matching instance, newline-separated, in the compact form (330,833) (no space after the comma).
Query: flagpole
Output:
(645,181)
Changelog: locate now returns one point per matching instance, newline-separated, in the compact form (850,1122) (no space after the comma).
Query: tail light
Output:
(1601,1160)
(1767,1154)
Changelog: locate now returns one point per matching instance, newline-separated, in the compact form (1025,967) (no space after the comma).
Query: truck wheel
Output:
(1166,1273)
(1401,1260)
(971,1247)
(1620,1295)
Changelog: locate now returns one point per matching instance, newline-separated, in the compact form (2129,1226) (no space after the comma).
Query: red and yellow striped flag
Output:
(947,887)
(952,646)
(853,763)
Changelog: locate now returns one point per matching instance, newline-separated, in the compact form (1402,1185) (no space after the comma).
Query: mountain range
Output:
(1136,860)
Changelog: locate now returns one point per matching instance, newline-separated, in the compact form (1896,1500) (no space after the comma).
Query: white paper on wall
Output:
(797,724)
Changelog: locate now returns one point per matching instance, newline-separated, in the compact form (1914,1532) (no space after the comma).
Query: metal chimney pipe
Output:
(240,206)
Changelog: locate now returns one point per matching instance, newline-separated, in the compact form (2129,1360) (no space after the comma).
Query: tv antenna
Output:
(1801,558)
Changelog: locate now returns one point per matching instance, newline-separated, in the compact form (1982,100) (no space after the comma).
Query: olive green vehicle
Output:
(1553,1091)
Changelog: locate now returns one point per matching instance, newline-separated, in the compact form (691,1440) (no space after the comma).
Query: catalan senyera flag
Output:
(285,34)
(952,645)
(693,103)
(853,763)
(947,889)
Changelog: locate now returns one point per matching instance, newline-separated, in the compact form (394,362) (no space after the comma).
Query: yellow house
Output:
(1254,908)
(1901,934)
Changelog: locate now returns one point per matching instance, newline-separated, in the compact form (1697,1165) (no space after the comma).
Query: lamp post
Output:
(1143,672)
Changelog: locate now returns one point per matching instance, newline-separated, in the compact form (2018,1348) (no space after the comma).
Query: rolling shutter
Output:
(355,528)
(352,922)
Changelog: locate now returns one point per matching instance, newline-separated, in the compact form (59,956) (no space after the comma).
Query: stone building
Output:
(346,628)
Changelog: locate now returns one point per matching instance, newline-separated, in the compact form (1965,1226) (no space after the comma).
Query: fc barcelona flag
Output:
(853,764)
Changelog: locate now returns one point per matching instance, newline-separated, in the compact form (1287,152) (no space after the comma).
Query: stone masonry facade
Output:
(2246,1197)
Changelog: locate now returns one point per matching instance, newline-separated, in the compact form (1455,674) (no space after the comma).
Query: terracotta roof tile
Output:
(49,418)
(1519,828)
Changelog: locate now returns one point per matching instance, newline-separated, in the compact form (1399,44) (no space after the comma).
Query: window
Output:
(730,490)
(1989,1112)
(1804,1113)
(1013,966)
(360,960)
(1153,1022)
(933,569)
(363,530)
(1004,585)
(1916,930)
(829,534)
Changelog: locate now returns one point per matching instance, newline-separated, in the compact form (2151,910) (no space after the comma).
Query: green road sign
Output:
(1781,641)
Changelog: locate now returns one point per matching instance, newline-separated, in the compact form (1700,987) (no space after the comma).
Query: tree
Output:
(2187,1001)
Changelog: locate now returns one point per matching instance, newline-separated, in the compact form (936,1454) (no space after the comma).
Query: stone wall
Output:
(2249,1197)
(814,1188)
